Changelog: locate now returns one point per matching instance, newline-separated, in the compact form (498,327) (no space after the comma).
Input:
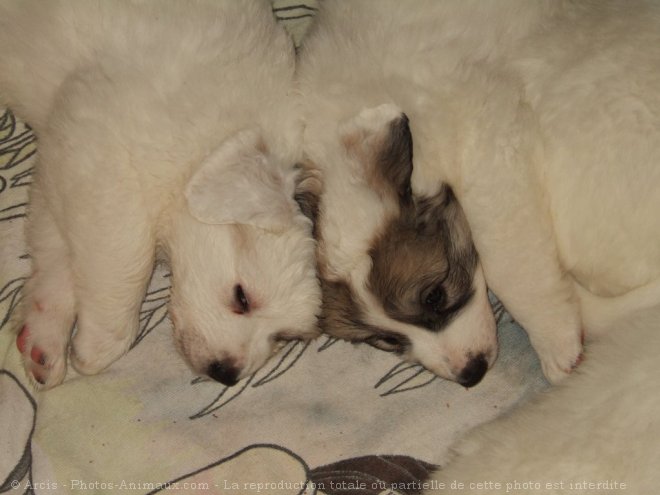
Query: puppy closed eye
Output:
(389,343)
(241,303)
(435,299)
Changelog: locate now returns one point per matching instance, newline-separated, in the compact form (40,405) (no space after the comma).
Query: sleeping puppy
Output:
(155,125)
(398,272)
(544,117)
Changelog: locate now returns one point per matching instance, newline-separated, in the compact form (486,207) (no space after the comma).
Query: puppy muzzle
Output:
(473,372)
(224,372)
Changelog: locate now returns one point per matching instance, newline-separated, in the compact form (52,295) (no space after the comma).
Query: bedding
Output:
(324,417)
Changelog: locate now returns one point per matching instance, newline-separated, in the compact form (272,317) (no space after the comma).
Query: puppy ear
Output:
(441,215)
(381,140)
(240,183)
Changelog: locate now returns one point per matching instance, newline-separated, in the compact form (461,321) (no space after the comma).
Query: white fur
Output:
(543,116)
(165,125)
(599,426)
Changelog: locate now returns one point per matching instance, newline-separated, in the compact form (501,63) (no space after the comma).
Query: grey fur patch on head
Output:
(424,262)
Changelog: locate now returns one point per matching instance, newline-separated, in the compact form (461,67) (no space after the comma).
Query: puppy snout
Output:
(474,371)
(225,372)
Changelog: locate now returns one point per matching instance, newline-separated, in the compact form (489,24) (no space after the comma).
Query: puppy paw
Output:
(94,348)
(560,357)
(44,360)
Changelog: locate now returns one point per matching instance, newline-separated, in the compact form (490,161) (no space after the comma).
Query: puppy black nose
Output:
(473,372)
(223,372)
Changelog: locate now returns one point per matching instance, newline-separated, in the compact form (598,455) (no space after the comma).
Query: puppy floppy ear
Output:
(381,140)
(441,215)
(241,183)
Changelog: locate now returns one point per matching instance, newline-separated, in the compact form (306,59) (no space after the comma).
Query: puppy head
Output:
(243,265)
(399,272)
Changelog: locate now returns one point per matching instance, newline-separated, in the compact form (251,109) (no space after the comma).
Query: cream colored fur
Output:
(599,426)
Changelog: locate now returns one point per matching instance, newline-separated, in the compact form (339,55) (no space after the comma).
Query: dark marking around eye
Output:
(241,303)
(443,316)
(462,301)
(435,299)
(423,262)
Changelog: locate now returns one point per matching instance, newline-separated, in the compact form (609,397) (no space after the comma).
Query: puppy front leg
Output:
(48,307)
(113,256)
(513,232)
(521,267)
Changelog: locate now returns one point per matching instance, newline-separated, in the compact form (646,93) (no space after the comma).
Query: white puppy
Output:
(155,123)
(595,433)
(544,117)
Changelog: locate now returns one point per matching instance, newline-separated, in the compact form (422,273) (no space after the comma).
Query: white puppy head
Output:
(243,262)
(398,272)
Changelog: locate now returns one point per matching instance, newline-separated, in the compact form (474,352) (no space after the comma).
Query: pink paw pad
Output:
(21,339)
(37,356)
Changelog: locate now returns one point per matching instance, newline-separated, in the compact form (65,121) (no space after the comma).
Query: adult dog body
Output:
(543,116)
(155,125)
